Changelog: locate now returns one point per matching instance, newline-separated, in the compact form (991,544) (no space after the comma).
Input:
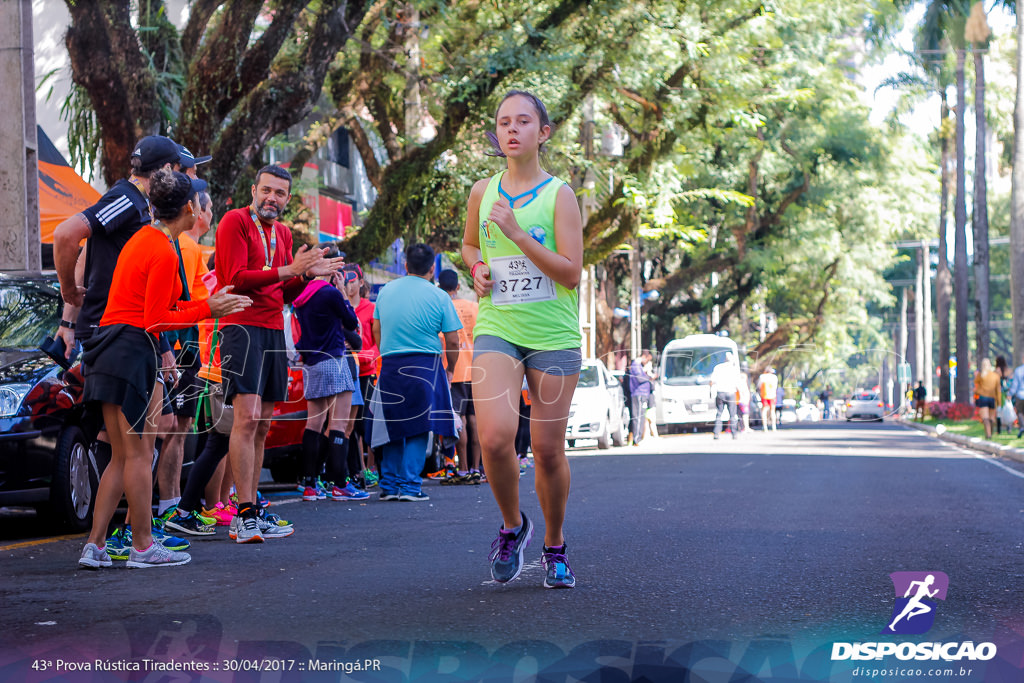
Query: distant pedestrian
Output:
(641,385)
(743,401)
(920,400)
(1017,396)
(767,388)
(524,239)
(1005,374)
(725,381)
(989,395)
(826,403)
(412,397)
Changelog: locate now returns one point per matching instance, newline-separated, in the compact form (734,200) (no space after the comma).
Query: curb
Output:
(971,442)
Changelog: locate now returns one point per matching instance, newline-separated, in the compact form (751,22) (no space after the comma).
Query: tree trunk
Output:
(107,62)
(960,285)
(943,279)
(1017,204)
(980,218)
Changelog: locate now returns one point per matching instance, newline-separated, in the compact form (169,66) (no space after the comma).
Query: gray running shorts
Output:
(560,362)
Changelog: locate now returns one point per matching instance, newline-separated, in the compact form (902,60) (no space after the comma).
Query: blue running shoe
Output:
(172,543)
(119,545)
(507,551)
(559,573)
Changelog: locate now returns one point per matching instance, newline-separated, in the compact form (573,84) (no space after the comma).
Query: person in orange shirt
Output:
(121,363)
(989,394)
(468,444)
(184,395)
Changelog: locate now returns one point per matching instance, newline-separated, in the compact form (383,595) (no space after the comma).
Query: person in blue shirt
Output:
(1016,393)
(412,396)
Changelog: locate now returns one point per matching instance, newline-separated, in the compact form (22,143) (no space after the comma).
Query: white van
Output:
(682,392)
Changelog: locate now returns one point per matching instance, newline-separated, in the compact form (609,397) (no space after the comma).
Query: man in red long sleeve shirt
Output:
(254,253)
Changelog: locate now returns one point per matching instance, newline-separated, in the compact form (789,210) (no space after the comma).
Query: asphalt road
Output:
(696,560)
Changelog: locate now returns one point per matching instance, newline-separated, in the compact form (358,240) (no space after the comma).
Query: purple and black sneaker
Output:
(507,551)
(559,573)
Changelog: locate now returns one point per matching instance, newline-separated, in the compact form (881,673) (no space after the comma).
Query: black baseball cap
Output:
(188,160)
(154,151)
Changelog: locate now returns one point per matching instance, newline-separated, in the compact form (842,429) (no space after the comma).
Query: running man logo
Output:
(916,593)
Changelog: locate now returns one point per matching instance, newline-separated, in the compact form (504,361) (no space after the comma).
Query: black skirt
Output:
(120,364)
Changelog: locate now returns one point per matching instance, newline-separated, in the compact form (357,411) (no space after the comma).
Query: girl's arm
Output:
(471,253)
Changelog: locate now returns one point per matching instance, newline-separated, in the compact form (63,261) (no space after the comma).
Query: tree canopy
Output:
(726,139)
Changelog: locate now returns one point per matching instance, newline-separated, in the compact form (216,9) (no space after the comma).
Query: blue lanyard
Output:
(534,192)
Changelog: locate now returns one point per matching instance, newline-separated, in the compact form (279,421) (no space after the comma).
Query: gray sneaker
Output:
(270,529)
(93,558)
(507,551)
(247,530)
(156,556)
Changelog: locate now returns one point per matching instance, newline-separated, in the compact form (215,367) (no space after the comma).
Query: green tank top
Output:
(525,307)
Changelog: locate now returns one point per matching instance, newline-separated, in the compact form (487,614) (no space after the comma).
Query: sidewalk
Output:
(972,442)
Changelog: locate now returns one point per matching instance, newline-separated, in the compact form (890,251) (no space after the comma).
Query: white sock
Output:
(164,504)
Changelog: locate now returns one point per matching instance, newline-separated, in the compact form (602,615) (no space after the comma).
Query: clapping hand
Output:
(223,302)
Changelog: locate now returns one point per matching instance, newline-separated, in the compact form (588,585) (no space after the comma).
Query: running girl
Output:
(524,241)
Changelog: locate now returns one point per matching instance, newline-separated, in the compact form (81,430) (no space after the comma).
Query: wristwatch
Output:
(68,324)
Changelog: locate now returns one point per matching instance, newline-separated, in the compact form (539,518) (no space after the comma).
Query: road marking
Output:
(992,461)
(41,541)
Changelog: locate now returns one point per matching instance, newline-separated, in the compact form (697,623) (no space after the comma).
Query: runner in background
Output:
(767,387)
(468,444)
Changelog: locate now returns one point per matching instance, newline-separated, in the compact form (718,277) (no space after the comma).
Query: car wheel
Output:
(619,436)
(74,483)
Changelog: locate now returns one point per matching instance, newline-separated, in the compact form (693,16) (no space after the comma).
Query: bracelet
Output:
(68,324)
(472,271)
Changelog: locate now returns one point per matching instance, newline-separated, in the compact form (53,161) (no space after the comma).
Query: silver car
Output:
(865,405)
(598,409)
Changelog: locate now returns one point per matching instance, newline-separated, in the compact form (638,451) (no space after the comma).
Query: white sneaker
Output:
(270,529)
(94,558)
(156,556)
(247,531)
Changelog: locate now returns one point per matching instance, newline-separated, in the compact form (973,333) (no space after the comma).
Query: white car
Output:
(598,410)
(865,405)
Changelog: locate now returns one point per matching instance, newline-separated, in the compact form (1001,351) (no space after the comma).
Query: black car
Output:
(45,459)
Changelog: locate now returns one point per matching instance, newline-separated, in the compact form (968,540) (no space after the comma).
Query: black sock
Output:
(337,457)
(310,456)
(103,456)
(355,455)
(247,510)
